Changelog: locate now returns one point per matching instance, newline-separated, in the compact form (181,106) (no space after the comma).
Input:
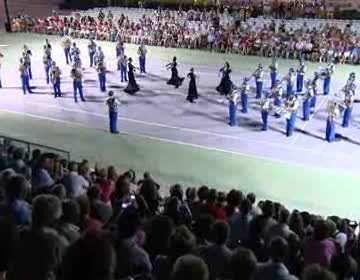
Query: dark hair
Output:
(203,193)
(268,209)
(234,198)
(71,212)
(243,264)
(220,232)
(190,194)
(190,267)
(251,197)
(181,242)
(203,226)
(278,249)
(46,210)
(177,191)
(212,195)
(245,207)
(16,187)
(321,230)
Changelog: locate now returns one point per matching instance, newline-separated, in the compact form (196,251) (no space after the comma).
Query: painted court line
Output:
(166,140)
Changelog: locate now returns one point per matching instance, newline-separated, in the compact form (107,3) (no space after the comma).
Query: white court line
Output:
(171,141)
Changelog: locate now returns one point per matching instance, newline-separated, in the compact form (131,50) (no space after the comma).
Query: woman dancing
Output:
(132,86)
(175,80)
(192,93)
(226,84)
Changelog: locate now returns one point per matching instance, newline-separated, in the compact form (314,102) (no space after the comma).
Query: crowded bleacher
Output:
(234,31)
(78,220)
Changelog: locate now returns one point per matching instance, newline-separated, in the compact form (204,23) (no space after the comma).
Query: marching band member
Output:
(225,84)
(277,92)
(76,75)
(123,61)
(259,74)
(266,107)
(309,95)
(47,63)
(245,87)
(142,57)
(92,51)
(329,71)
(175,79)
(24,75)
(120,50)
(273,71)
(47,46)
(55,73)
(233,99)
(99,56)
(192,92)
(101,69)
(333,112)
(314,85)
(350,84)
(112,102)
(1,55)
(290,81)
(67,45)
(348,102)
(27,59)
(75,53)
(132,86)
(291,107)
(300,76)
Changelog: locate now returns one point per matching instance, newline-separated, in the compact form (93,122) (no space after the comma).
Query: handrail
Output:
(29,144)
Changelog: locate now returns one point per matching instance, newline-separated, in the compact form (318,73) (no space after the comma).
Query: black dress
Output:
(132,86)
(225,84)
(192,93)
(175,80)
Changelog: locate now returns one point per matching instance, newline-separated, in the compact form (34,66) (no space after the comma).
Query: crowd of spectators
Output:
(66,220)
(201,29)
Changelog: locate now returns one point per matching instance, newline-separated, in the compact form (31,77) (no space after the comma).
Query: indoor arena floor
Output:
(181,142)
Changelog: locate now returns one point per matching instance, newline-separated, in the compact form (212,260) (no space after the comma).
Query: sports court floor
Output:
(183,142)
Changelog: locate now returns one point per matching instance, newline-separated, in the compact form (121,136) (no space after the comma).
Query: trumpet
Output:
(54,74)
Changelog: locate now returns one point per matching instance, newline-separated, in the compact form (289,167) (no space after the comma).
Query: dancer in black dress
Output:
(132,86)
(192,93)
(226,84)
(175,80)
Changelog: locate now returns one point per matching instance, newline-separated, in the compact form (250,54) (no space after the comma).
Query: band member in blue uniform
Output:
(24,75)
(92,51)
(47,46)
(226,84)
(132,86)
(314,84)
(101,69)
(67,46)
(99,56)
(192,92)
(47,63)
(291,108)
(1,56)
(266,107)
(326,75)
(75,54)
(277,95)
(350,84)
(120,51)
(273,71)
(348,102)
(113,102)
(259,74)
(123,62)
(245,87)
(308,97)
(76,75)
(233,99)
(333,113)
(290,81)
(27,60)
(175,80)
(300,76)
(55,74)
(142,57)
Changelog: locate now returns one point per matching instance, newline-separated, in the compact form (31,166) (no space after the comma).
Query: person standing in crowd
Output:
(55,74)
(1,56)
(245,87)
(113,102)
(123,62)
(92,51)
(259,74)
(27,60)
(233,99)
(192,92)
(175,80)
(67,46)
(76,75)
(101,69)
(266,107)
(292,106)
(142,51)
(314,84)
(132,86)
(300,76)
(273,71)
(47,63)
(309,95)
(24,75)
(225,86)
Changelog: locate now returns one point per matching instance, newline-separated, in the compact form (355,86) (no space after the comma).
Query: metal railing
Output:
(30,146)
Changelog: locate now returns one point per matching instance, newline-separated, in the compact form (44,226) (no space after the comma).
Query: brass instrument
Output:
(333,108)
(234,96)
(266,104)
(66,43)
(54,73)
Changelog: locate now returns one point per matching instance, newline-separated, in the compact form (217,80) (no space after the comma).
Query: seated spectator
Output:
(106,186)
(75,184)
(68,225)
(275,269)
(243,265)
(98,209)
(149,191)
(217,256)
(42,181)
(92,257)
(191,268)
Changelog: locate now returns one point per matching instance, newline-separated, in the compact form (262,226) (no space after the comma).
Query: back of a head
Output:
(220,232)
(212,196)
(316,272)
(73,166)
(177,191)
(234,198)
(92,257)
(190,267)
(284,216)
(203,193)
(46,210)
(321,230)
(268,209)
(182,242)
(16,187)
(243,264)
(245,207)
(251,197)
(71,212)
(278,249)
